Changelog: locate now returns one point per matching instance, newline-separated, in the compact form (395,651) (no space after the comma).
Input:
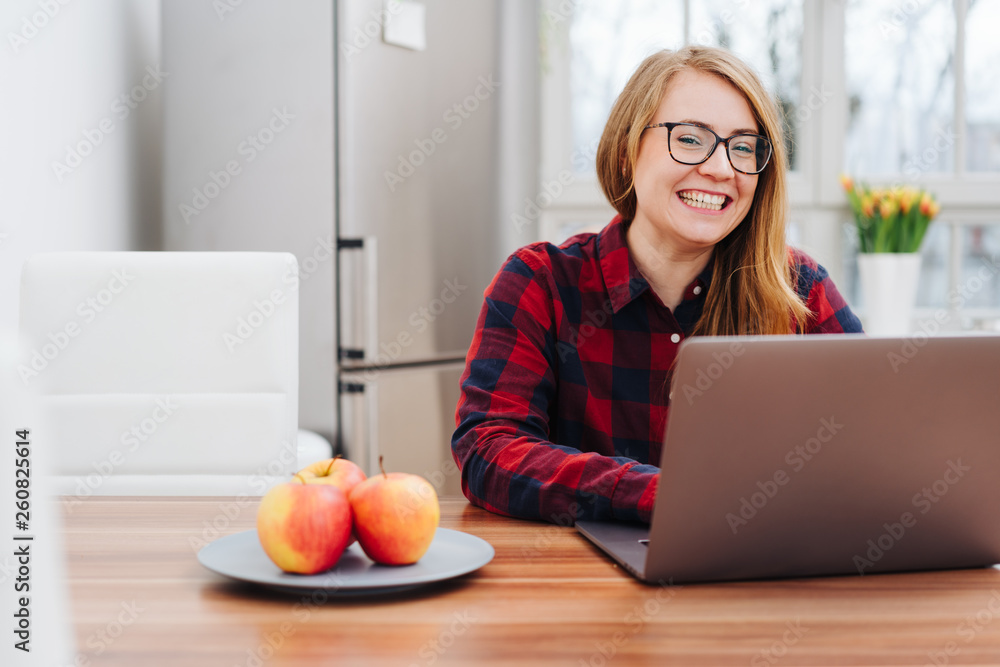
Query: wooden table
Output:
(548,598)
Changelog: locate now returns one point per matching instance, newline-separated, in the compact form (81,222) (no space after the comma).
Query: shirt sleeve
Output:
(501,443)
(832,315)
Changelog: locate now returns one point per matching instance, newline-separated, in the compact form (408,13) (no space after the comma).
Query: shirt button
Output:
(675,338)
(697,289)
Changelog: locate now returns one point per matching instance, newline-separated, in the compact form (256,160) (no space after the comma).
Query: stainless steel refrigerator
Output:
(411,149)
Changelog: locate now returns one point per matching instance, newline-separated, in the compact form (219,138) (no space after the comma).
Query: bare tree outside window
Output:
(609,39)
(900,86)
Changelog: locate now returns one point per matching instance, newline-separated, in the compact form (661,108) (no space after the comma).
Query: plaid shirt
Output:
(564,405)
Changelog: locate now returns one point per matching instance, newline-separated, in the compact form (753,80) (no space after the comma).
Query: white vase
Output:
(889,285)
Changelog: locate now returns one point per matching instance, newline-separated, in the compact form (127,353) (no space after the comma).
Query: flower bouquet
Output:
(890,219)
(891,225)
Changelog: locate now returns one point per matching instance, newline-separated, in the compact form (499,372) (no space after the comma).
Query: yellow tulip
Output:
(887,208)
(906,201)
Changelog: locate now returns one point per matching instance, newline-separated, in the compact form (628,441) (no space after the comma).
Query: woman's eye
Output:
(689,140)
(743,148)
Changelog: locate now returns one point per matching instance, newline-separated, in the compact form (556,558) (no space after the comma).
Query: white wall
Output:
(61,71)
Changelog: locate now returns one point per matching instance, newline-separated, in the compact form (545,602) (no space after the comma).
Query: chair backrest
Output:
(163,372)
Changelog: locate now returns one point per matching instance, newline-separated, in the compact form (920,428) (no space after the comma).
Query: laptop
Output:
(796,456)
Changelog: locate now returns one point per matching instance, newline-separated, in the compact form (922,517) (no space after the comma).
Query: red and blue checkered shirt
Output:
(564,395)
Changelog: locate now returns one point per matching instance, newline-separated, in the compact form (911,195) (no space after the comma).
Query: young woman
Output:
(565,393)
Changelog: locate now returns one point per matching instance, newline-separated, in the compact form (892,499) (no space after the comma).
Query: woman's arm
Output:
(824,300)
(501,443)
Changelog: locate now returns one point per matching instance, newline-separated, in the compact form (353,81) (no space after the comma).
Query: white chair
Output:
(165,373)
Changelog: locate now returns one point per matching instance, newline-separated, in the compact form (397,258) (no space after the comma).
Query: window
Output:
(608,40)
(890,91)
(982,86)
(899,62)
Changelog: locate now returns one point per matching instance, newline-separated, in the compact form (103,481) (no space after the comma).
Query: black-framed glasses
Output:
(693,144)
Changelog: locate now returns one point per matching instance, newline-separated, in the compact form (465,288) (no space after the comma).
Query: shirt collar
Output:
(622,278)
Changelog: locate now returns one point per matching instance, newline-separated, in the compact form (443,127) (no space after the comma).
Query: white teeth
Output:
(703,200)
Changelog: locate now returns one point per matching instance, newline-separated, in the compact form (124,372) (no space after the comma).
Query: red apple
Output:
(395,516)
(304,528)
(336,471)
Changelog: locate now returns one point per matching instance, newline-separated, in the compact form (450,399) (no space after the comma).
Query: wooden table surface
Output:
(548,598)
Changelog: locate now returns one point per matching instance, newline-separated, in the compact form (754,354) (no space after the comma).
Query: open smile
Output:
(705,201)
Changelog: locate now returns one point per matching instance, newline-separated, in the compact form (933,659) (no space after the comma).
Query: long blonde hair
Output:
(752,290)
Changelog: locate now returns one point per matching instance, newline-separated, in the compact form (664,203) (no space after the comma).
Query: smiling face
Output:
(689,208)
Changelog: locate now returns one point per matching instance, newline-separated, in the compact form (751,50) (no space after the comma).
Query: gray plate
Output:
(451,554)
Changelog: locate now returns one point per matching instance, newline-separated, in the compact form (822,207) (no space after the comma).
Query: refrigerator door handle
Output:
(368,247)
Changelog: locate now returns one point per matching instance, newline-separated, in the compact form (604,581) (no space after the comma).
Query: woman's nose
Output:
(717,165)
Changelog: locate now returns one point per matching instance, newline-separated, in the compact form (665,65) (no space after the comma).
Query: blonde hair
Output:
(752,290)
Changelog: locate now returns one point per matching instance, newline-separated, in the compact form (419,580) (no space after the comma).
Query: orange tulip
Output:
(867,206)
(846,182)
(926,204)
(887,208)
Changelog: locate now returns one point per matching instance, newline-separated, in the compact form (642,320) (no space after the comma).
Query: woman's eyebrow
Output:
(740,130)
